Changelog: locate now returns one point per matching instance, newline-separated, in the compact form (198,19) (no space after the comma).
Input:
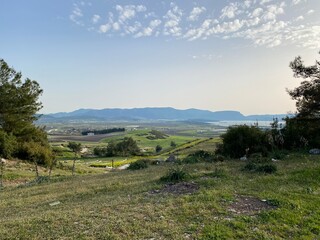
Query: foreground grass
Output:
(121,205)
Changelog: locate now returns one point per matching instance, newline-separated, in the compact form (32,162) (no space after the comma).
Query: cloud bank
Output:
(266,23)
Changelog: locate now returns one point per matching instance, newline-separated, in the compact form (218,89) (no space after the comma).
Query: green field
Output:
(227,203)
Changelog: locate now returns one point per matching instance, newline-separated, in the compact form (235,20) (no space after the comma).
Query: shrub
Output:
(260,168)
(140,164)
(175,175)
(240,140)
(267,168)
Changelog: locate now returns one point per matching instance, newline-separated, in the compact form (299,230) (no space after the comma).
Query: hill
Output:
(168,114)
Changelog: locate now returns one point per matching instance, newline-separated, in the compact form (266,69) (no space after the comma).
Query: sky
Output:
(205,54)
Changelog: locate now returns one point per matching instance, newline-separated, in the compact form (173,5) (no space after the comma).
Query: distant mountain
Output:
(140,114)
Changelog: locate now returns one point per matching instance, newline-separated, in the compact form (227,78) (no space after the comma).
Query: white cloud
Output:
(116,26)
(172,24)
(229,11)
(300,18)
(148,31)
(76,15)
(265,1)
(295,2)
(257,12)
(310,12)
(104,28)
(266,23)
(131,29)
(95,18)
(195,13)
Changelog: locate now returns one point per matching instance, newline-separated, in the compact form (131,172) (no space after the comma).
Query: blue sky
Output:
(215,55)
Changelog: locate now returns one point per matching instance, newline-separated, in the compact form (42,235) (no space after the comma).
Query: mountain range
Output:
(154,114)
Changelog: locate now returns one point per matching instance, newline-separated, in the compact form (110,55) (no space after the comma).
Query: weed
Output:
(176,174)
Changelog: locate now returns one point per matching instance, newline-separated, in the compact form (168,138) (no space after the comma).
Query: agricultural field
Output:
(147,135)
(217,200)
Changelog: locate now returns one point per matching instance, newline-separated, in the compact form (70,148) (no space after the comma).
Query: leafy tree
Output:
(19,104)
(127,147)
(19,100)
(304,129)
(76,148)
(124,148)
(307,95)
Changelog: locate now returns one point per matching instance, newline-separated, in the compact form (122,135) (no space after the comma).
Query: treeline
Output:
(126,147)
(104,131)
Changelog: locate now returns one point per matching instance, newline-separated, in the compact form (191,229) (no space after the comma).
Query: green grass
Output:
(146,140)
(120,205)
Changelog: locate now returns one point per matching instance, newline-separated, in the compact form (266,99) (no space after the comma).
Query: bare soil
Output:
(248,205)
(178,188)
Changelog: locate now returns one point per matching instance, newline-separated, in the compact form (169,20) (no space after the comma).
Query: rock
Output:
(54,203)
(123,167)
(244,158)
(315,151)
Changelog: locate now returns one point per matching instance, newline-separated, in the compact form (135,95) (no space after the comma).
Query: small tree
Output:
(75,148)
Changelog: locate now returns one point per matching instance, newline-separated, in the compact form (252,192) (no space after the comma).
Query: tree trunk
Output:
(52,164)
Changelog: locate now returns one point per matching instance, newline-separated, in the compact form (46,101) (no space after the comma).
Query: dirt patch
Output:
(248,205)
(178,188)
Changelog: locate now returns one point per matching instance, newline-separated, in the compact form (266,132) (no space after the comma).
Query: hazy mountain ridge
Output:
(164,113)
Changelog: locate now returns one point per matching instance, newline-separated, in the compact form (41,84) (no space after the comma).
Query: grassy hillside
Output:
(218,201)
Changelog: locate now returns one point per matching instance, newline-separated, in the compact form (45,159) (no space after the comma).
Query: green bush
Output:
(260,168)
(137,165)
(175,175)
(241,140)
